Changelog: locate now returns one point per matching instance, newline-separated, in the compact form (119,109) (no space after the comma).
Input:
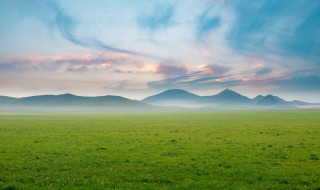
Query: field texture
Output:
(194,150)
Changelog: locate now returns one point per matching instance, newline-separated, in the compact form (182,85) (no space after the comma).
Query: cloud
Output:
(191,82)
(172,70)
(263,71)
(67,62)
(77,68)
(160,17)
(66,25)
(304,83)
(50,13)
(97,62)
(215,69)
(207,23)
(204,76)
(120,85)
(140,68)
(283,28)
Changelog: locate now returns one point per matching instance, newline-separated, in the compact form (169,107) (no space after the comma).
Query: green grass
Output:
(196,150)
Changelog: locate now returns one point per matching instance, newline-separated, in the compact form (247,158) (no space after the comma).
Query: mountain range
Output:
(227,99)
(70,102)
(182,98)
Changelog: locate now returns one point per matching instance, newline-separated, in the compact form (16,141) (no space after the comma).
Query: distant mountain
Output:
(272,100)
(50,100)
(227,99)
(6,99)
(227,96)
(300,103)
(174,97)
(257,99)
(70,100)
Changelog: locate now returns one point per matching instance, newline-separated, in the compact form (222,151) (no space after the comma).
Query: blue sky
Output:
(137,48)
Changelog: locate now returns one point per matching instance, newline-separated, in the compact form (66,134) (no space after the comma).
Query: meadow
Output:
(158,150)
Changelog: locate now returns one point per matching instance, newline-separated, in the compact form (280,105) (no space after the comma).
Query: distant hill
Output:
(272,100)
(71,102)
(226,99)
(227,96)
(182,98)
(257,99)
(174,97)
(6,99)
(300,103)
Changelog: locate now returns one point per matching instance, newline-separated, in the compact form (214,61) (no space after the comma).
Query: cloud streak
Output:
(78,63)
(66,25)
(50,13)
(277,27)
(160,17)
(207,23)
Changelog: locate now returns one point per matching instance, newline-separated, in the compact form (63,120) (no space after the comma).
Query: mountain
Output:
(227,96)
(71,102)
(272,100)
(182,98)
(257,99)
(300,103)
(225,100)
(50,100)
(6,99)
(174,97)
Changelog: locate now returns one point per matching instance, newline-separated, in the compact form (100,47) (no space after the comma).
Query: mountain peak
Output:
(172,94)
(257,99)
(66,94)
(272,100)
(177,90)
(229,96)
(259,96)
(227,91)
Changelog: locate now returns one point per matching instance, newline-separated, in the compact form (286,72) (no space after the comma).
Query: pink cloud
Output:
(214,69)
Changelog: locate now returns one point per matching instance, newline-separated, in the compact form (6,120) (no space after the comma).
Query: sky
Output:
(138,48)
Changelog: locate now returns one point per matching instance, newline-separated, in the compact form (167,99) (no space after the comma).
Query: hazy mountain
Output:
(51,100)
(65,102)
(227,96)
(178,97)
(227,99)
(257,99)
(6,99)
(272,100)
(297,102)
(174,97)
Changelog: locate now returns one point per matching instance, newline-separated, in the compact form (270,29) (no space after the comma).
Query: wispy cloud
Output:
(94,62)
(201,77)
(207,22)
(263,71)
(160,17)
(172,70)
(277,27)
(51,14)
(301,83)
(215,69)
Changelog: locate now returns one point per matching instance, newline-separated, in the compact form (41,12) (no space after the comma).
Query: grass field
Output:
(196,150)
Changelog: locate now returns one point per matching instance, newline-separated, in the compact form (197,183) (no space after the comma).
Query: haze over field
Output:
(140,48)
